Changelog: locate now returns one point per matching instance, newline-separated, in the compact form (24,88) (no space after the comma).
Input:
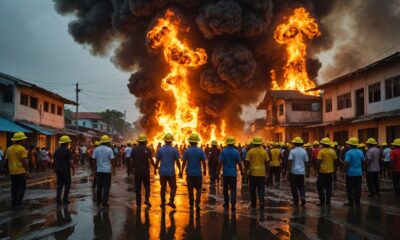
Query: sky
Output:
(35,46)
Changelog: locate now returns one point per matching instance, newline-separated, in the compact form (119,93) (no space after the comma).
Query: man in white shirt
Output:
(298,163)
(104,157)
(386,160)
(128,151)
(83,154)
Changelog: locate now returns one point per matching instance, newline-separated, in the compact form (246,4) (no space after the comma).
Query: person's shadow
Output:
(102,225)
(170,232)
(229,230)
(193,229)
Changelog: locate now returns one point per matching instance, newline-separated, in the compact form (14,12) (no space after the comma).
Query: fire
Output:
(292,34)
(179,57)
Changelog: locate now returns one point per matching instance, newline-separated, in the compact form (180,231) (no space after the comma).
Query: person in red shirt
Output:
(395,158)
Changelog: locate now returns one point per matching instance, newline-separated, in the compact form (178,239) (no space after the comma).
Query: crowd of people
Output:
(261,164)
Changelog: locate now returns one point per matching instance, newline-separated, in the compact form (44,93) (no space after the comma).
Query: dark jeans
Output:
(256,185)
(373,182)
(128,166)
(324,186)
(396,182)
(18,186)
(274,171)
(103,187)
(171,180)
(297,187)
(386,169)
(194,183)
(353,188)
(139,180)
(230,185)
(63,181)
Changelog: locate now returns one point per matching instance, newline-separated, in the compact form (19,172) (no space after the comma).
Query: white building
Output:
(38,111)
(363,103)
(288,112)
(90,120)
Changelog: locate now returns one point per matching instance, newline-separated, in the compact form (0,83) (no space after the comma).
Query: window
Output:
(8,94)
(53,108)
(84,124)
(95,125)
(374,92)
(34,103)
(315,107)
(59,111)
(344,101)
(301,107)
(24,100)
(280,109)
(364,134)
(392,87)
(46,106)
(392,132)
(328,105)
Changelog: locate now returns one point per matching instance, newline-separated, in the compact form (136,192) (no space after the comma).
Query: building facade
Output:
(39,112)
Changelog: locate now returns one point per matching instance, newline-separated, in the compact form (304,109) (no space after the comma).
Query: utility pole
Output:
(77,90)
(124,133)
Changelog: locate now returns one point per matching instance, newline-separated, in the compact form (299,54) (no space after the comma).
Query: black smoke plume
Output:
(237,36)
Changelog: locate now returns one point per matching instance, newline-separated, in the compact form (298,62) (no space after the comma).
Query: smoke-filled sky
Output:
(35,44)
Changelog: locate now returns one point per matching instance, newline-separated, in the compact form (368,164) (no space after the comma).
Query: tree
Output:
(115,119)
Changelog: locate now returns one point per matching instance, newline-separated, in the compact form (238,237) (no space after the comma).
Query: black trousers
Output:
(63,181)
(128,166)
(194,183)
(274,171)
(229,186)
(324,186)
(171,180)
(373,182)
(256,185)
(396,182)
(142,179)
(353,188)
(18,187)
(212,171)
(103,187)
(297,187)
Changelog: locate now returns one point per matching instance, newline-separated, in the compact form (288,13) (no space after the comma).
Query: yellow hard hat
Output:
(298,140)
(64,139)
(325,141)
(384,144)
(315,143)
(257,140)
(307,145)
(97,143)
(194,138)
(371,141)
(396,142)
(353,141)
(18,136)
(335,143)
(361,145)
(230,140)
(168,137)
(105,139)
(142,138)
(214,142)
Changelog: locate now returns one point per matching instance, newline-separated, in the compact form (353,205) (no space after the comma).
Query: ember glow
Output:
(292,34)
(179,57)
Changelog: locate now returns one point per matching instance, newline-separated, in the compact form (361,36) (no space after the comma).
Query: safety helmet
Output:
(353,141)
(372,141)
(230,140)
(257,140)
(168,137)
(97,143)
(214,143)
(396,142)
(315,143)
(298,140)
(64,139)
(18,136)
(325,141)
(142,138)
(194,138)
(105,139)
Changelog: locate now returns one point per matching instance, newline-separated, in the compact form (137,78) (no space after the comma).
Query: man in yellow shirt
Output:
(274,165)
(257,158)
(17,157)
(325,164)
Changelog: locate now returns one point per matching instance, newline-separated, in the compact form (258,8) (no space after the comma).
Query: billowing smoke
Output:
(237,36)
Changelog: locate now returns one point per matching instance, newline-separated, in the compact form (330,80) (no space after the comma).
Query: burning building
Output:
(195,63)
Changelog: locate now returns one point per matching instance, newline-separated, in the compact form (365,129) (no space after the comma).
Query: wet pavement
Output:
(82,219)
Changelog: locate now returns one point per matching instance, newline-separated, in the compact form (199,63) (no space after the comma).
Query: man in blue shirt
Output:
(298,164)
(353,165)
(193,157)
(167,155)
(229,158)
(104,157)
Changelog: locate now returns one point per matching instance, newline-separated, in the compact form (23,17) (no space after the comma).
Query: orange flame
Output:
(179,57)
(292,34)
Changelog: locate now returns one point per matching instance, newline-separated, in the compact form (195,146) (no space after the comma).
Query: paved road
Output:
(42,219)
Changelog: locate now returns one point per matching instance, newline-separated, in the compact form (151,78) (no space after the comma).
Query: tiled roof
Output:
(285,94)
(86,115)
